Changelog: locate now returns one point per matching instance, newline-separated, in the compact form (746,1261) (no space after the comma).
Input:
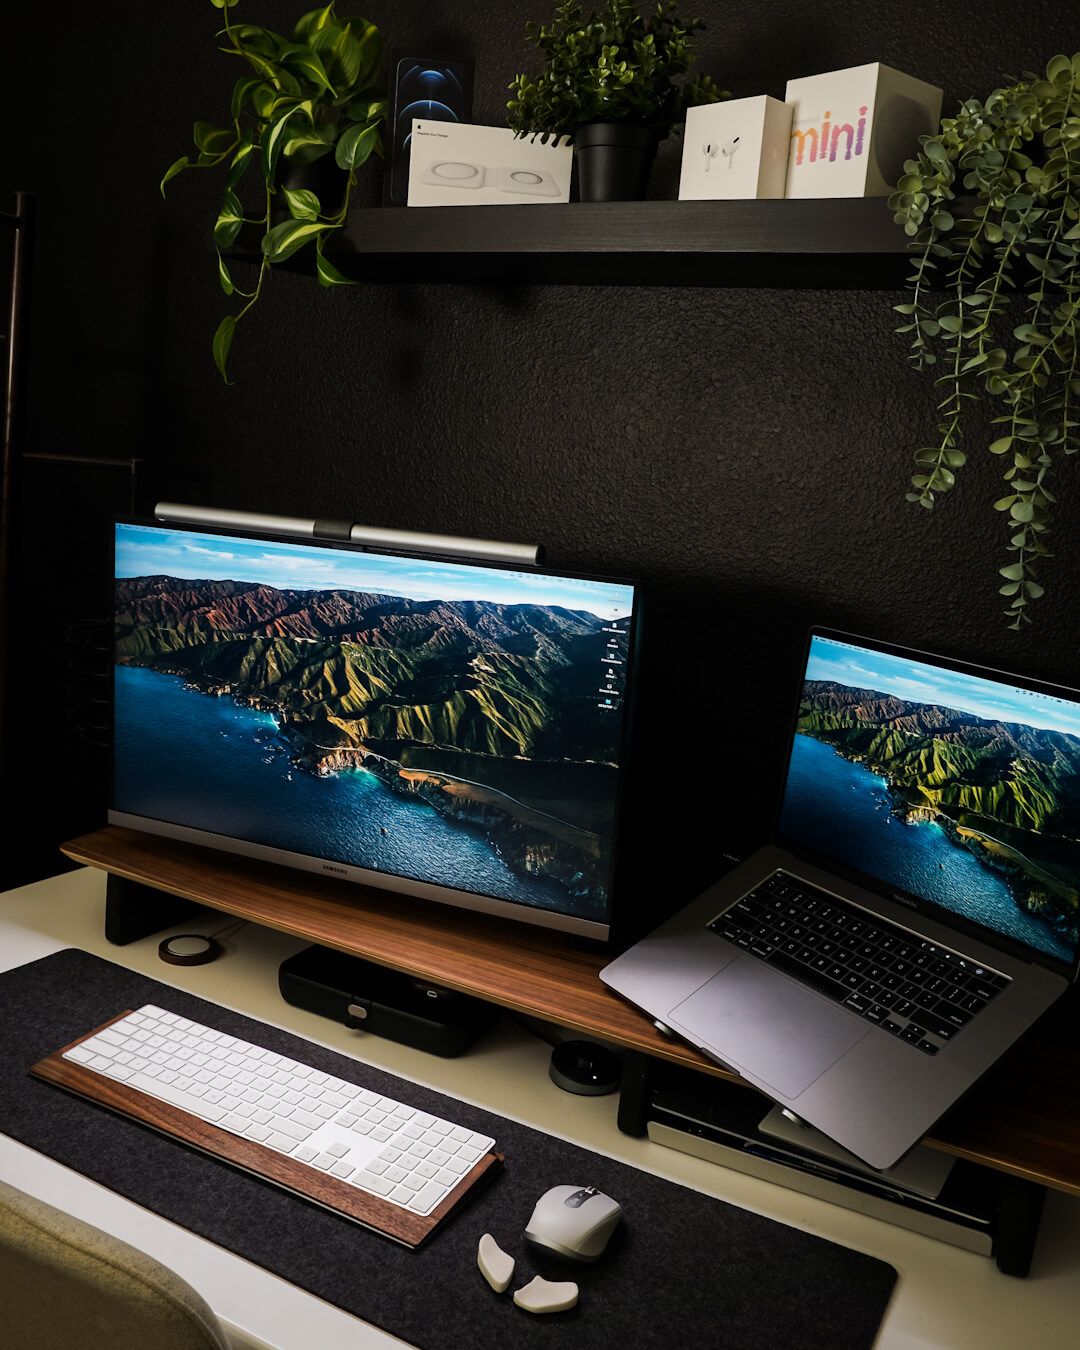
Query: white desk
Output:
(945,1298)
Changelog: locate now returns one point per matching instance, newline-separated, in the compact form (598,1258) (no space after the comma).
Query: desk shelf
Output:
(1023,1118)
(838,243)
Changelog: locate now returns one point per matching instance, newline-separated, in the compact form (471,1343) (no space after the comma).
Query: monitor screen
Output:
(956,788)
(453,730)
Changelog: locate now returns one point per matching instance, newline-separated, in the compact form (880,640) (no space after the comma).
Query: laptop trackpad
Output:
(755,1019)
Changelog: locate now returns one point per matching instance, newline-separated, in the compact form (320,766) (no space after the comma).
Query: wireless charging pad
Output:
(189,949)
(456,173)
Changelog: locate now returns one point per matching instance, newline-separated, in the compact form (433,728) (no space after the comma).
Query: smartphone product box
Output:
(433,88)
(735,149)
(852,130)
(455,164)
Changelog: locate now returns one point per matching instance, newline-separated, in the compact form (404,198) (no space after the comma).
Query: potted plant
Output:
(612,82)
(996,304)
(307,112)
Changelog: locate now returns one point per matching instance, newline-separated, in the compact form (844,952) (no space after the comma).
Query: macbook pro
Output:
(918,909)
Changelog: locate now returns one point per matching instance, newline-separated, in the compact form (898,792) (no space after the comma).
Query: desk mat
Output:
(682,1268)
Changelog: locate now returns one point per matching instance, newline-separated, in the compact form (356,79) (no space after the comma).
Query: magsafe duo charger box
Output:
(454,164)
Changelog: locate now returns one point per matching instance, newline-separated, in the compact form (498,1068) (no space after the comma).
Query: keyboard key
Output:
(282,1143)
(377,1185)
(427,1198)
(290,1128)
(338,1150)
(959,1017)
(342,1169)
(808,975)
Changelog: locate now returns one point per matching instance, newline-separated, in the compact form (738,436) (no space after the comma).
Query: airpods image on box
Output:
(735,150)
(454,164)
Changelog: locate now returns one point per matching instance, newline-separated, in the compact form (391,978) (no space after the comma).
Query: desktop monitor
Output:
(450,730)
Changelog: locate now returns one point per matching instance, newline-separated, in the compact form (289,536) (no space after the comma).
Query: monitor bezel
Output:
(520,911)
(878,885)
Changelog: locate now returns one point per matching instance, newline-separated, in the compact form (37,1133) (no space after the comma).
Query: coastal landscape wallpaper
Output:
(449,723)
(949,786)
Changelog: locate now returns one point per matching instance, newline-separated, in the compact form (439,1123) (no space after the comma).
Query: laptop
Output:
(918,909)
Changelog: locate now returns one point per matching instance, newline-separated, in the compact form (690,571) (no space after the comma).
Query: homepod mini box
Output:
(735,149)
(852,129)
(457,164)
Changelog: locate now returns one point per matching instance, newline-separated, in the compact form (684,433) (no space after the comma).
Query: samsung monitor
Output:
(450,730)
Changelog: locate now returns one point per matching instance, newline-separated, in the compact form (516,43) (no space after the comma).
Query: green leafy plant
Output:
(615,66)
(996,303)
(302,99)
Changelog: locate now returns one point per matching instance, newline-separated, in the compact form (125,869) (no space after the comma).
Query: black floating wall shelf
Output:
(809,244)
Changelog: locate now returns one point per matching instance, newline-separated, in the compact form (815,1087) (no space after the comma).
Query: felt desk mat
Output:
(681,1268)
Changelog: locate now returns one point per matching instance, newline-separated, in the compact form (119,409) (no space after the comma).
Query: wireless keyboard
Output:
(385,1163)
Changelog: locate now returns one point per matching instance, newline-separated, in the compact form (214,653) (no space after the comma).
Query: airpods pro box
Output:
(455,164)
(736,149)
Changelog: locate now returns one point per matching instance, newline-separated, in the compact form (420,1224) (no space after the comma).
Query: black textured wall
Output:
(745,453)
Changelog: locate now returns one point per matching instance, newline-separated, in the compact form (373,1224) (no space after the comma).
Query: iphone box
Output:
(455,164)
(735,149)
(852,130)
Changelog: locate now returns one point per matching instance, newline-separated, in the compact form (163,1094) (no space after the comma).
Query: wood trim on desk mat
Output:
(263,1162)
(681,1268)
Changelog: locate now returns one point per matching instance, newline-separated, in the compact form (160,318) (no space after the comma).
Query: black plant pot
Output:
(321,176)
(614,161)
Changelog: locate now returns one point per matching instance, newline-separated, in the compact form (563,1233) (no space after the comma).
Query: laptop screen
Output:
(959,789)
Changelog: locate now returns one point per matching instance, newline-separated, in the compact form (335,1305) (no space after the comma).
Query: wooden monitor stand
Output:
(1022,1120)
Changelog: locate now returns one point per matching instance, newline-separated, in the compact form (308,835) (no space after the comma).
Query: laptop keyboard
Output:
(922,993)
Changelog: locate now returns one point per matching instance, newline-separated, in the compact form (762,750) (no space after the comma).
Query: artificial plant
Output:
(996,304)
(615,66)
(303,98)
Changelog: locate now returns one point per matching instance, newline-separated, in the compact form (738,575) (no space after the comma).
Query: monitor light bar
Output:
(404,541)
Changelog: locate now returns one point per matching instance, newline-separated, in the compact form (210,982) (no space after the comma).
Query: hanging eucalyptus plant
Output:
(303,99)
(996,304)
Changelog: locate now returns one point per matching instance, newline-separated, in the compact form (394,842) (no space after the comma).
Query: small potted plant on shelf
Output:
(308,112)
(995,308)
(612,81)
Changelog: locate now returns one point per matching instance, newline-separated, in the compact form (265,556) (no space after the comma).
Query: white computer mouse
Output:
(574,1221)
